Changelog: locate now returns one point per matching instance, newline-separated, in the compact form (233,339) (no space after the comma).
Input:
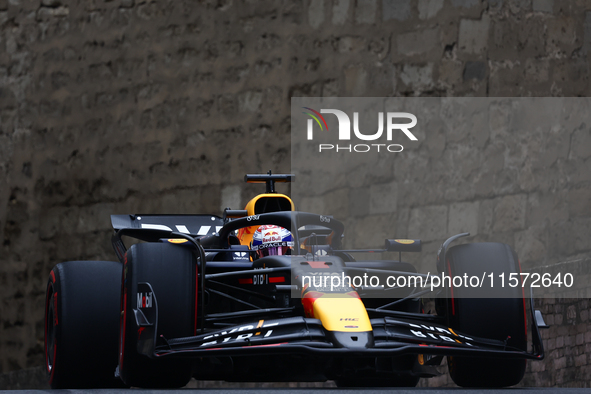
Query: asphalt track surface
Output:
(319,391)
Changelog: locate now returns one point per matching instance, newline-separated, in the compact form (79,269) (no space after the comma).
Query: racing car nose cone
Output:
(352,340)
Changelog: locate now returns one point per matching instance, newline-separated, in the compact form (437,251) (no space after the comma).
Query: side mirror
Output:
(403,245)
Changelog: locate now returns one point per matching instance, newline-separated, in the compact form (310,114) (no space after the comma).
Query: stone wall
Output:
(161,106)
(508,170)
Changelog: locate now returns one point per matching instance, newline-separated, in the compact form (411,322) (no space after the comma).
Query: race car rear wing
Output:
(195,225)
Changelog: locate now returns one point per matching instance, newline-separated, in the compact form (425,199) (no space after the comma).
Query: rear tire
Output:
(493,318)
(82,325)
(171,271)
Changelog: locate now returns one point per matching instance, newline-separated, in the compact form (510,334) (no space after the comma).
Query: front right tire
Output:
(171,271)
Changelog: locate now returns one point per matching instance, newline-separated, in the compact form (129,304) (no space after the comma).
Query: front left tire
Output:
(501,316)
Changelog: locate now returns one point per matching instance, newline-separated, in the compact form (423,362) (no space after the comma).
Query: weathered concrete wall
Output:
(162,106)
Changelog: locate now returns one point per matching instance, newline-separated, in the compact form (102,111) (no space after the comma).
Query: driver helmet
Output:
(271,240)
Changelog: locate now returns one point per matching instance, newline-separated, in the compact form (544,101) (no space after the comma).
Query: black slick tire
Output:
(82,324)
(171,271)
(494,318)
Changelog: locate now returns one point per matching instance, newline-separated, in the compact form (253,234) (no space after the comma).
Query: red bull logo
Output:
(272,238)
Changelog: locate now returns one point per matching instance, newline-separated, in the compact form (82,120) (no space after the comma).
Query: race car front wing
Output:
(389,336)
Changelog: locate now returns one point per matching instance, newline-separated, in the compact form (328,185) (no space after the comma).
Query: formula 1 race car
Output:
(252,296)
